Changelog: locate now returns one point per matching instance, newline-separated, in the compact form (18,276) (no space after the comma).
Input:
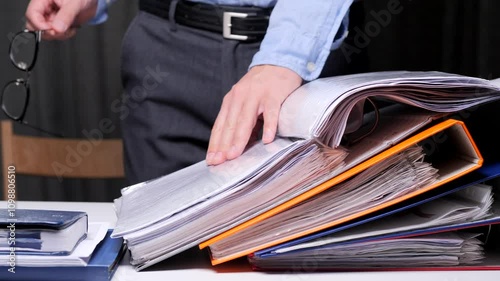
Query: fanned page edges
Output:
(317,111)
(451,166)
(395,176)
(305,164)
(321,108)
(395,124)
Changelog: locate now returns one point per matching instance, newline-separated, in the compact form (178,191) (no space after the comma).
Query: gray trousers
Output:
(174,78)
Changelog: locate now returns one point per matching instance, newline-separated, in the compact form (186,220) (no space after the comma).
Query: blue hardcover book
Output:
(487,172)
(45,232)
(101,267)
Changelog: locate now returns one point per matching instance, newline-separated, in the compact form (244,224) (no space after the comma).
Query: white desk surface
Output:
(195,265)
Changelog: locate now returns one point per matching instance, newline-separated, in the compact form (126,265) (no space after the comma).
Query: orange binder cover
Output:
(462,139)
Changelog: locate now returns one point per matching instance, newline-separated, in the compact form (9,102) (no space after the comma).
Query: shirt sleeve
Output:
(101,14)
(301,35)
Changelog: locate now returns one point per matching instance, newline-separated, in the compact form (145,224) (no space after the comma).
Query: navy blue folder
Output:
(101,267)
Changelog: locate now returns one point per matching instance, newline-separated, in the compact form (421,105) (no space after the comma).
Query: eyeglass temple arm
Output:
(42,130)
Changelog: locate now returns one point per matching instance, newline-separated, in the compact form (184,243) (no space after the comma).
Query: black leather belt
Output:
(237,23)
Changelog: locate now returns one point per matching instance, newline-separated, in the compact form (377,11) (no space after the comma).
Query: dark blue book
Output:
(44,232)
(39,219)
(101,267)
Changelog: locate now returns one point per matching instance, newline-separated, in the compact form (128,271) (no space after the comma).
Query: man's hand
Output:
(259,93)
(59,18)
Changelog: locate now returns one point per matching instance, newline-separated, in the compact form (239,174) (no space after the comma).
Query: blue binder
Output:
(486,172)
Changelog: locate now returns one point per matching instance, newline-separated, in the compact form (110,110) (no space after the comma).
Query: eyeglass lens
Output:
(14,99)
(23,50)
(15,95)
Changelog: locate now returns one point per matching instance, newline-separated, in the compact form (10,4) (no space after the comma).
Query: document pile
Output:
(348,147)
(448,249)
(389,242)
(56,245)
(41,231)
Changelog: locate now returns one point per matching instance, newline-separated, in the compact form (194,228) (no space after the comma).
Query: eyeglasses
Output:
(15,97)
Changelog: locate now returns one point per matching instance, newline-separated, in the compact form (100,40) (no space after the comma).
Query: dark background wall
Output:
(75,82)
(73,86)
(457,36)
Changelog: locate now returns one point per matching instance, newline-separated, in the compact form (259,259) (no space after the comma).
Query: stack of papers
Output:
(445,249)
(211,206)
(206,190)
(449,210)
(384,240)
(397,175)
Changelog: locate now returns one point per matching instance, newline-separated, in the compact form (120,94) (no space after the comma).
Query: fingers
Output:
(232,128)
(35,15)
(213,153)
(259,93)
(56,21)
(256,130)
(242,118)
(53,35)
(30,26)
(65,17)
(271,116)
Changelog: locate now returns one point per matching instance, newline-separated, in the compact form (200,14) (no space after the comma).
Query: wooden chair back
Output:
(61,158)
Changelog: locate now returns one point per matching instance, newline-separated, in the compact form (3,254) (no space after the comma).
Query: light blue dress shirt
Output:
(300,35)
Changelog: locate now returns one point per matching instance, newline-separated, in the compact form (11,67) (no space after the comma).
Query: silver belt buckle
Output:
(226,25)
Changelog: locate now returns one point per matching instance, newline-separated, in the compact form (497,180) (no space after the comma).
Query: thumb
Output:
(66,16)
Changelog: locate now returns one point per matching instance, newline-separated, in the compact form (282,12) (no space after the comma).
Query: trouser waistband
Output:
(245,23)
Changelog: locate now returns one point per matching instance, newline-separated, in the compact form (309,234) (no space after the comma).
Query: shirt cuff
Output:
(101,14)
(304,52)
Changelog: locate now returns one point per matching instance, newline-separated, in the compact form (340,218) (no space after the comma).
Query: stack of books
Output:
(56,245)
(369,171)
(42,232)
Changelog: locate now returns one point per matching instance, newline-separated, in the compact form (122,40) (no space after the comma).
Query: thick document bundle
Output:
(452,231)
(330,130)
(427,251)
(365,227)
(391,224)
(375,188)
